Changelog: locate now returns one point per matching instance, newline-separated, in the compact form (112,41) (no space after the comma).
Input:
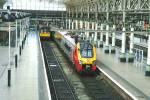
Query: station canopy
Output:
(51,5)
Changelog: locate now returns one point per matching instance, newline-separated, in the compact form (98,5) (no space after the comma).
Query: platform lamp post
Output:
(16,56)
(20,40)
(8,17)
(23,30)
(9,67)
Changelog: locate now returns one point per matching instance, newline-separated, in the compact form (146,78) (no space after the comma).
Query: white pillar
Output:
(69,24)
(9,55)
(87,27)
(76,24)
(72,24)
(66,24)
(101,37)
(148,57)
(107,35)
(24,28)
(81,24)
(84,25)
(92,25)
(147,71)
(123,41)
(113,36)
(20,31)
(83,36)
(95,37)
(92,36)
(26,25)
(131,41)
(16,33)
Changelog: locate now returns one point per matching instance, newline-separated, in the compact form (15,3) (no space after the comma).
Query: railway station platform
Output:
(128,76)
(28,80)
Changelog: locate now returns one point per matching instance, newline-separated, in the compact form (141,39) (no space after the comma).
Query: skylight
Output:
(54,5)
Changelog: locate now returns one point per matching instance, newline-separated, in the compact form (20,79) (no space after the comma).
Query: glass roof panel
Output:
(54,5)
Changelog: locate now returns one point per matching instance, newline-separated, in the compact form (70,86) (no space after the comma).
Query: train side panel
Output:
(65,45)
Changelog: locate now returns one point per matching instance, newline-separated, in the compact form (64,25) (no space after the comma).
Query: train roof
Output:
(68,37)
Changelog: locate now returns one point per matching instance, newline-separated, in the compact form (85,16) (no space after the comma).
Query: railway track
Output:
(59,86)
(87,87)
(70,85)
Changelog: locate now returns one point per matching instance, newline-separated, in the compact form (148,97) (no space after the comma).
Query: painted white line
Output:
(118,84)
(53,65)
(47,85)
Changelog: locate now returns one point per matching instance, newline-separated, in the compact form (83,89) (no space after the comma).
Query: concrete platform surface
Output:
(129,75)
(28,81)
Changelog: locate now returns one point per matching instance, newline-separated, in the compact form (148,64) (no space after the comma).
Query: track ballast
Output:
(58,83)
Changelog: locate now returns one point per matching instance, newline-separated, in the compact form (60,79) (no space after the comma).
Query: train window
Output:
(86,53)
(86,50)
(44,29)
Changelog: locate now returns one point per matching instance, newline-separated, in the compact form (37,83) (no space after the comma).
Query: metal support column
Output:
(76,24)
(9,57)
(23,33)
(95,36)
(101,36)
(123,54)
(107,40)
(131,55)
(147,71)
(16,55)
(81,24)
(69,24)
(92,38)
(66,24)
(72,24)
(20,40)
(93,25)
(113,40)
(87,27)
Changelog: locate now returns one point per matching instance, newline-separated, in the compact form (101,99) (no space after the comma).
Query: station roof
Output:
(51,5)
(1,3)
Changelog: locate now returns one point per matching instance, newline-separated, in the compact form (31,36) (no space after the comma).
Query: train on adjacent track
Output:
(82,54)
(45,33)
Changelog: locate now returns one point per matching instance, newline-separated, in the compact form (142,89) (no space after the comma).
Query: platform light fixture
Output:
(8,17)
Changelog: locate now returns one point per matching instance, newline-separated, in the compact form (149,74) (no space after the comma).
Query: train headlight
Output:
(80,62)
(94,62)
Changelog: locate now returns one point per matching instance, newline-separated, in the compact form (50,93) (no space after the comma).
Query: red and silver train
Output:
(82,54)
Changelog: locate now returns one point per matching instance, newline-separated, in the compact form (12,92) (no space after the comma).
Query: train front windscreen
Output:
(86,50)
